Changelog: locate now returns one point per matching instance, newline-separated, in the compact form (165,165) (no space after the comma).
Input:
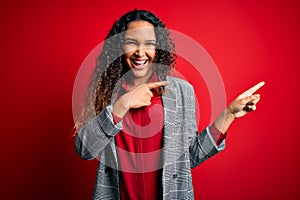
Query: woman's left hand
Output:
(245,102)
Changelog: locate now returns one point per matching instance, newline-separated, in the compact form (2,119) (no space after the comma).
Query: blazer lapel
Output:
(169,104)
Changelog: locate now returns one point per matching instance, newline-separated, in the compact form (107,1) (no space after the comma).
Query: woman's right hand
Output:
(136,98)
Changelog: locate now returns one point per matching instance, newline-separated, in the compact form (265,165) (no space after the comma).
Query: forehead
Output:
(140,30)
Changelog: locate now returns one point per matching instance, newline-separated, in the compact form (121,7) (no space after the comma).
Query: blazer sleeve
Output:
(96,134)
(202,145)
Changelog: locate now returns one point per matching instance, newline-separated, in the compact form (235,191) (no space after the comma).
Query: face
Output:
(139,49)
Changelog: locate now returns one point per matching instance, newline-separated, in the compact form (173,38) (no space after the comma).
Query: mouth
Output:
(139,64)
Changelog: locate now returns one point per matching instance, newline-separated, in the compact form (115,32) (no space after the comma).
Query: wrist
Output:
(224,120)
(229,117)
(121,107)
(123,102)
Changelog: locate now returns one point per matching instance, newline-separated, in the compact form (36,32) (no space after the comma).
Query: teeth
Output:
(140,62)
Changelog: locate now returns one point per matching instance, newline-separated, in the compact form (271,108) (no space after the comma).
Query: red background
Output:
(43,44)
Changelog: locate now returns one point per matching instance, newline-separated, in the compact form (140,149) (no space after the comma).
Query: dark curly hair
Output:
(107,76)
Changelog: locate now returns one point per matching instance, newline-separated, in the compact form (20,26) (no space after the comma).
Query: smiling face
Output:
(139,50)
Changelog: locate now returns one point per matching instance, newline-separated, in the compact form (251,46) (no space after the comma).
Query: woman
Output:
(144,129)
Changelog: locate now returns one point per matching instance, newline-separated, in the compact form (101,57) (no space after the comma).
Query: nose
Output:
(140,52)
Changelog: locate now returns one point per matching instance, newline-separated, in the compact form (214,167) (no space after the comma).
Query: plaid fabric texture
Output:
(184,148)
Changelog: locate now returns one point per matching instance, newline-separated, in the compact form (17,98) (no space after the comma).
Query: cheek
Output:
(126,61)
(152,54)
(126,52)
(126,56)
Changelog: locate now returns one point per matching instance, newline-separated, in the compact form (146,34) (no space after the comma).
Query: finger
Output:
(157,84)
(148,103)
(150,94)
(251,99)
(148,97)
(255,101)
(254,88)
(249,108)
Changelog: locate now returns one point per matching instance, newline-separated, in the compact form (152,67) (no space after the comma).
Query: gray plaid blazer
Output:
(184,148)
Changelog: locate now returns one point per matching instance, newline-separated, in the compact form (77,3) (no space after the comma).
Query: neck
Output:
(133,82)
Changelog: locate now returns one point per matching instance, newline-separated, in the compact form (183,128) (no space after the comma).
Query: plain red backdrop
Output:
(43,44)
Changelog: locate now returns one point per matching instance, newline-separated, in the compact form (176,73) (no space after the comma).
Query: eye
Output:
(130,43)
(150,44)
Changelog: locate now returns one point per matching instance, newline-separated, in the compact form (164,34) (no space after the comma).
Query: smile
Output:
(139,64)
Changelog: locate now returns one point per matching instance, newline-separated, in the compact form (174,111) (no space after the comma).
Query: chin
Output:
(141,74)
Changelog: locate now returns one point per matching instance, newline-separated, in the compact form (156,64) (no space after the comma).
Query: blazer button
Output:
(175,176)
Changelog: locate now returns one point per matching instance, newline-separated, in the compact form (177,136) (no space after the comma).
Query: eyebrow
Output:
(136,40)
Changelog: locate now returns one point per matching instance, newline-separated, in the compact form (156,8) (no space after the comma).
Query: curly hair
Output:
(107,76)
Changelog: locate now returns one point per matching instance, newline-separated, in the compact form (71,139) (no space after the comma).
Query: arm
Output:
(96,134)
(203,145)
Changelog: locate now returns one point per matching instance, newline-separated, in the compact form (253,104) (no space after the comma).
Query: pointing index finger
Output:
(255,88)
(157,84)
